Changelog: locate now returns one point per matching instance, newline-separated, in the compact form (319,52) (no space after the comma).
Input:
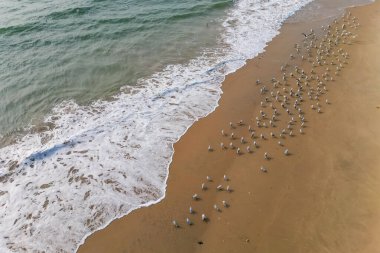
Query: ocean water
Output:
(93,95)
(54,51)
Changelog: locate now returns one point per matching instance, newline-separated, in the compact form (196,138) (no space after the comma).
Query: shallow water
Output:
(52,51)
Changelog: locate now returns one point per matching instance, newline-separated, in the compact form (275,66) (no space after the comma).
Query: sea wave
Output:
(91,164)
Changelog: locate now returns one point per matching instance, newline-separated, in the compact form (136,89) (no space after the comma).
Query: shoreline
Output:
(111,116)
(184,151)
(95,194)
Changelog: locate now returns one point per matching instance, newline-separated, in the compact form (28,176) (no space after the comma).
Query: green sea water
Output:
(56,50)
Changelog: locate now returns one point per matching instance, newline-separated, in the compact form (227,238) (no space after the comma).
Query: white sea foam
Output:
(104,160)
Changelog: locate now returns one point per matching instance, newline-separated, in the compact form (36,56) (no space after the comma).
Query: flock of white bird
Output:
(283,99)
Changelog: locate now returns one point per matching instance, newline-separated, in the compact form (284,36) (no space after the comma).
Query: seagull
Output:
(175,223)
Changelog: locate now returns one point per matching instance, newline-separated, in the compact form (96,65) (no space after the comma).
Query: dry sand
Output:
(321,198)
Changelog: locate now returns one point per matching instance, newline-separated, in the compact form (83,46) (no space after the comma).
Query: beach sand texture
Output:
(322,197)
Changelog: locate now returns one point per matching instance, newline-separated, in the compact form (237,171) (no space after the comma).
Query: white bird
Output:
(222,145)
(219,187)
(266,156)
(255,144)
(216,208)
(175,223)
(224,203)
(291,133)
(223,133)
(204,217)
(191,211)
(195,197)
(232,136)
(248,149)
(204,187)
(238,151)
(228,188)
(232,145)
(286,152)
(225,178)
(263,169)
(188,221)
(209,148)
(208,178)
(262,136)
(242,140)
(280,143)
(231,125)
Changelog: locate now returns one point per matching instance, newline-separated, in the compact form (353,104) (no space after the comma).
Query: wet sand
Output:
(323,197)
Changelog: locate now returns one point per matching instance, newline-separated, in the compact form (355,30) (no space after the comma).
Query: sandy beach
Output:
(322,197)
